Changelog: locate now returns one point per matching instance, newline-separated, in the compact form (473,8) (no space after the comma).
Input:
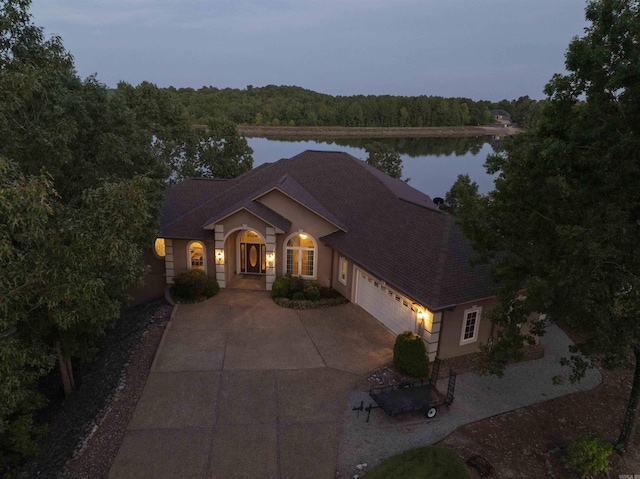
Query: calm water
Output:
(433,164)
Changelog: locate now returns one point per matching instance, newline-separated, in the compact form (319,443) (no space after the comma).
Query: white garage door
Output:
(383,303)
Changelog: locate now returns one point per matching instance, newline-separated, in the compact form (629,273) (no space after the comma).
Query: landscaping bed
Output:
(530,442)
(90,423)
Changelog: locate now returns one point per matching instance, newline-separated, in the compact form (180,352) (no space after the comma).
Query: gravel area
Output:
(86,429)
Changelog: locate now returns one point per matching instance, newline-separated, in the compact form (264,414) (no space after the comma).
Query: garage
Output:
(383,303)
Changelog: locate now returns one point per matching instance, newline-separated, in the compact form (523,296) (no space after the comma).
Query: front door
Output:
(253,258)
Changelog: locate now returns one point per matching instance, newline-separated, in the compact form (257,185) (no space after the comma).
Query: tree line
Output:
(82,173)
(295,106)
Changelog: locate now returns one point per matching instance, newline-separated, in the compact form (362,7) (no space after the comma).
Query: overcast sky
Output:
(479,49)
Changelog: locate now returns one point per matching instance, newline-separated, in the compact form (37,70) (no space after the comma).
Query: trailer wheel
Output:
(431,412)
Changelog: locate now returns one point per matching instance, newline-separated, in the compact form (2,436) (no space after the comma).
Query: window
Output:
(342,270)
(196,258)
(159,248)
(300,256)
(470,325)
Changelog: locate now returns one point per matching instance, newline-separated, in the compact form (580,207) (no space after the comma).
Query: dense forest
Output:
(295,106)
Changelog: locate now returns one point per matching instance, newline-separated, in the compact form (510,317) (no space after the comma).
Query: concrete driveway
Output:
(242,388)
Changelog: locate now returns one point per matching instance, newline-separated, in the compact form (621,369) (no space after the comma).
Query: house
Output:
(501,116)
(330,217)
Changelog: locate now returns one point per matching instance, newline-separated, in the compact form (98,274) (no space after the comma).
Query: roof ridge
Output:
(238,180)
(442,258)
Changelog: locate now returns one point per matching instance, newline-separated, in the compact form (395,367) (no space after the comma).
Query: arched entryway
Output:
(252,257)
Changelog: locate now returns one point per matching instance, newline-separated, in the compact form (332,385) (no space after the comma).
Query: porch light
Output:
(219,256)
(271,257)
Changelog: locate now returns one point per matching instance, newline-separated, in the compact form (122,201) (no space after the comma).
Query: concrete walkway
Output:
(242,388)
(476,398)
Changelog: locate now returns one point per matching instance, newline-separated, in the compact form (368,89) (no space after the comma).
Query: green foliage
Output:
(588,456)
(294,292)
(19,440)
(296,285)
(212,149)
(190,286)
(308,304)
(433,462)
(563,219)
(280,287)
(284,105)
(410,355)
(384,159)
(311,291)
(462,192)
(212,288)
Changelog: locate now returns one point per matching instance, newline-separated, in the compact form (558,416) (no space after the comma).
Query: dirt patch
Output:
(530,442)
(321,132)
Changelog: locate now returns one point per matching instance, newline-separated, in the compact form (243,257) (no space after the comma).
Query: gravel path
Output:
(86,428)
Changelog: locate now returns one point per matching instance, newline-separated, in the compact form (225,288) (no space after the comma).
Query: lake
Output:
(432,164)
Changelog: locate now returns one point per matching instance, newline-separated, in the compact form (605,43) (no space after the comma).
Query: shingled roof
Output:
(382,224)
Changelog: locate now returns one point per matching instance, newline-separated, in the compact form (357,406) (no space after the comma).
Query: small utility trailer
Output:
(411,396)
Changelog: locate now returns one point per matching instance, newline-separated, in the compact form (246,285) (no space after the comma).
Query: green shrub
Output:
(298,296)
(280,287)
(434,462)
(311,291)
(410,355)
(588,456)
(296,285)
(306,304)
(189,286)
(212,288)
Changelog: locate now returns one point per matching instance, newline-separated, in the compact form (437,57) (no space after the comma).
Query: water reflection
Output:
(433,164)
(414,147)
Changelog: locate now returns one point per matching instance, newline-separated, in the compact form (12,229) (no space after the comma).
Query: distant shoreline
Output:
(253,131)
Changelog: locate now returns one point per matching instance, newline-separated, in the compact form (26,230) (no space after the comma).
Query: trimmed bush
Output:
(280,287)
(588,456)
(189,286)
(296,285)
(311,291)
(410,355)
(212,288)
(298,296)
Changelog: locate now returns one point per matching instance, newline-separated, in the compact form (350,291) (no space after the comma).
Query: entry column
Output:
(270,247)
(219,255)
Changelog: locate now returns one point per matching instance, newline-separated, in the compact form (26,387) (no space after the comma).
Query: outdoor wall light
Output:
(271,257)
(219,256)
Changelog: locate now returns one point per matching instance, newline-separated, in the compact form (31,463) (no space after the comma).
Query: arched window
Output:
(196,256)
(159,248)
(300,254)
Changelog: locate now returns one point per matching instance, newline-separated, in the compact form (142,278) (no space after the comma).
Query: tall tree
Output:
(382,157)
(212,150)
(25,209)
(93,153)
(563,221)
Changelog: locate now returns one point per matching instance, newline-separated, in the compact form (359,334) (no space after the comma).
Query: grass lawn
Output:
(430,462)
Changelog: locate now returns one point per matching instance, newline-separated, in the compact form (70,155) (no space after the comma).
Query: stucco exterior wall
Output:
(180,256)
(154,280)
(451,329)
(345,290)
(302,219)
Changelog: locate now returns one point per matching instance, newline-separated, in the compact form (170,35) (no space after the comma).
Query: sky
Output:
(478,49)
